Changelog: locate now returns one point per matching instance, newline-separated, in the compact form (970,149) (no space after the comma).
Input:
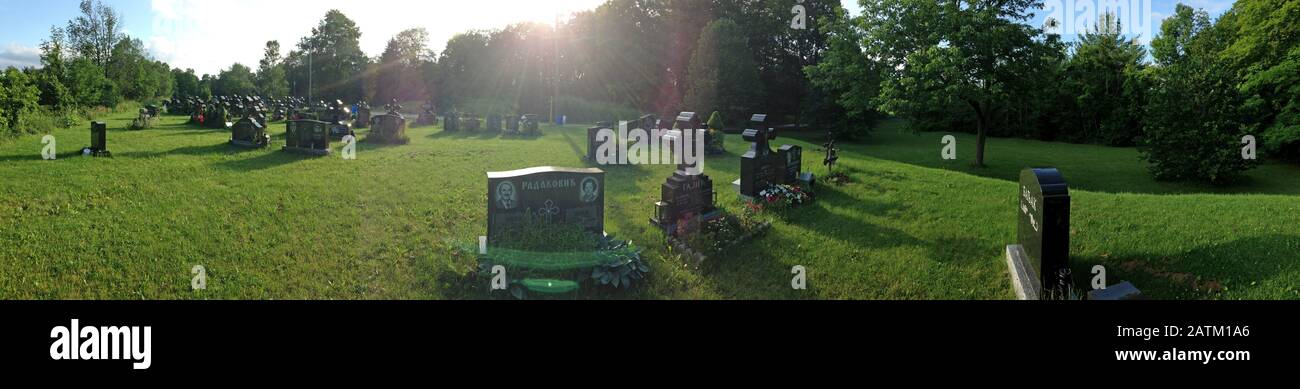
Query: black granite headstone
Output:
(530,124)
(647,122)
(512,124)
(469,122)
(683,197)
(307,137)
(427,117)
(98,139)
(689,121)
(363,116)
(556,195)
(451,123)
(389,128)
(594,142)
(760,167)
(248,132)
(1044,227)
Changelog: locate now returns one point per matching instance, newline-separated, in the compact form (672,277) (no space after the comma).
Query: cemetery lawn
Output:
(271,225)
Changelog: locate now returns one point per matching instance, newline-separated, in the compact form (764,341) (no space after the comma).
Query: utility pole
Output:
(555,80)
(309,69)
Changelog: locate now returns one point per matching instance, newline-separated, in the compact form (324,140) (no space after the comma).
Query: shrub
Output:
(1195,126)
(1283,142)
(19,102)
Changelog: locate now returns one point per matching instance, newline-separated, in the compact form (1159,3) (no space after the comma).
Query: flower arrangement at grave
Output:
(780,197)
(529,125)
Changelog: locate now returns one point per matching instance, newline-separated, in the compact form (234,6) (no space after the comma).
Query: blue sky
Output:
(209,35)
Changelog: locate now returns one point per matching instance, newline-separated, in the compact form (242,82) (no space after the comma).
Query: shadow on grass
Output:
(201,150)
(843,226)
(264,161)
(193,131)
(1086,167)
(960,250)
(1207,271)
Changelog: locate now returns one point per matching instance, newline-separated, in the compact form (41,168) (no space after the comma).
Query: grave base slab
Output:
(299,150)
(1022,275)
(244,143)
(1122,291)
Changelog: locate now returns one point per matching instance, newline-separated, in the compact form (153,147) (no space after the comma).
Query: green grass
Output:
(271,225)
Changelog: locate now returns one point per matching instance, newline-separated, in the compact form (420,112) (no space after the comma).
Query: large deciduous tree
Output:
(722,74)
(1266,55)
(401,66)
(237,80)
(95,32)
(975,53)
(271,80)
(330,61)
(1196,118)
(1105,86)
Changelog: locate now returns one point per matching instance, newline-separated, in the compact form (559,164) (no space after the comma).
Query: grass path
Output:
(270,225)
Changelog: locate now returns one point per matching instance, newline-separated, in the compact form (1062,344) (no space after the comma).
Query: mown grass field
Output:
(272,225)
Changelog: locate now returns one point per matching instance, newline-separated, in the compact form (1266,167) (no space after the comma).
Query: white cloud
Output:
(1213,7)
(210,35)
(19,56)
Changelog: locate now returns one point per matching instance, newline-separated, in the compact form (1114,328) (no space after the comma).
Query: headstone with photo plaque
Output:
(451,123)
(307,137)
(554,194)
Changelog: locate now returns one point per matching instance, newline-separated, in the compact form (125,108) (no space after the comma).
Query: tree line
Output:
(949,65)
(978,66)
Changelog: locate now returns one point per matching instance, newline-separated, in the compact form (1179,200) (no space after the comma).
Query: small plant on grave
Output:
(627,268)
(752,211)
(534,233)
(716,235)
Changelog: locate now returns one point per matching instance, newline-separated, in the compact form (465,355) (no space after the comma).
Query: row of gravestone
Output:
(526,124)
(649,122)
(1038,262)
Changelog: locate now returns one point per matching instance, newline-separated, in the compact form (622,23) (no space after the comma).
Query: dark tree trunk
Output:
(981,126)
(979,143)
